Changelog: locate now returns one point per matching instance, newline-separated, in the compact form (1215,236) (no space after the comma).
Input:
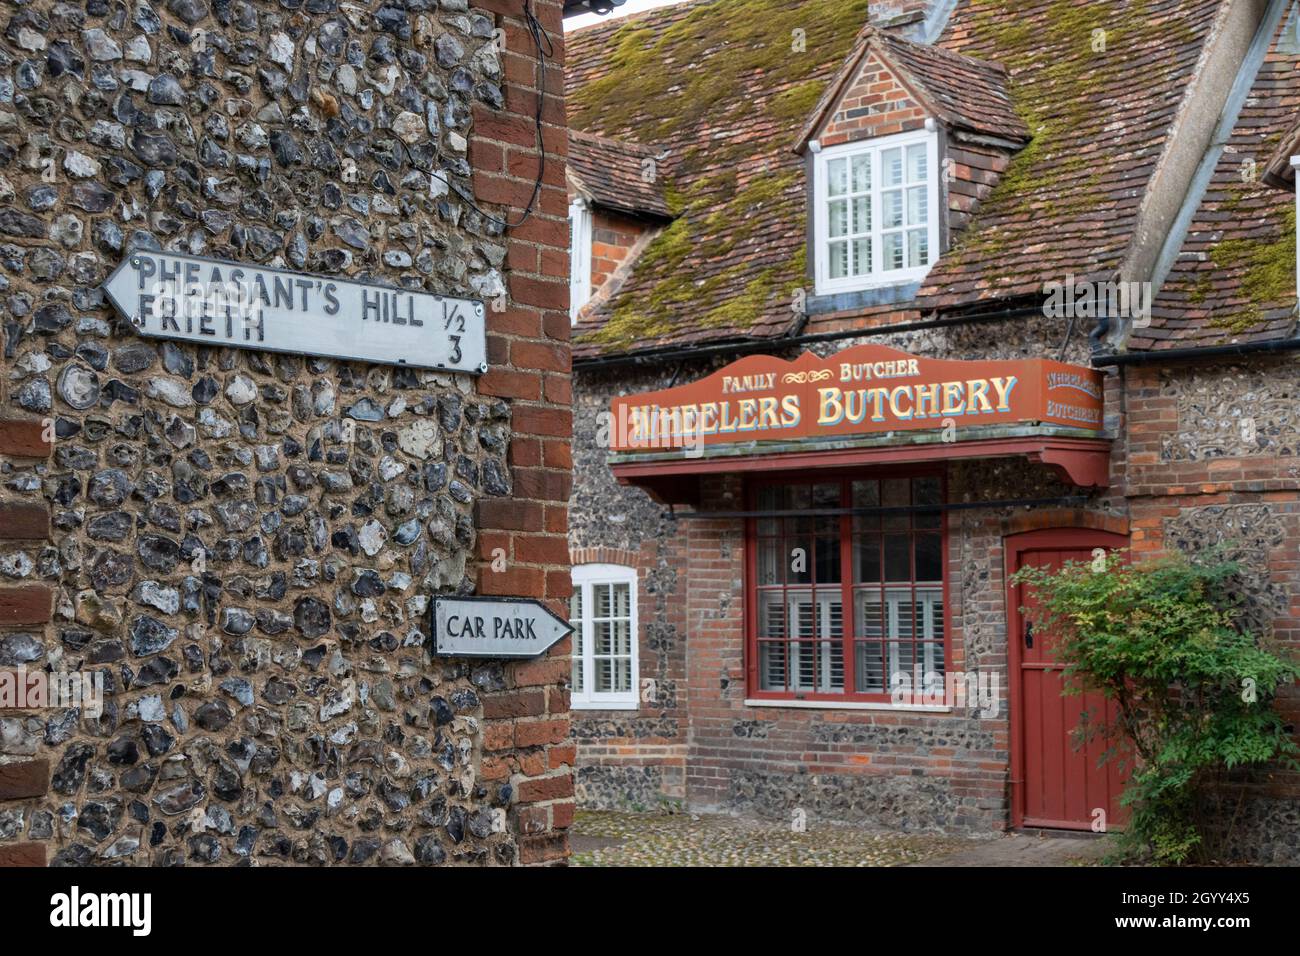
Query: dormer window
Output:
(617,204)
(877,212)
(881,208)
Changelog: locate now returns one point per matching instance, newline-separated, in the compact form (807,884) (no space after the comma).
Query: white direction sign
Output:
(218,303)
(494,627)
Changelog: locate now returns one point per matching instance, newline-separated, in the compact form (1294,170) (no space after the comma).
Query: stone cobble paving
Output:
(602,838)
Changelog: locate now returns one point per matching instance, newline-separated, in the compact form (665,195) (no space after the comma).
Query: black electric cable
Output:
(545,48)
(1069,334)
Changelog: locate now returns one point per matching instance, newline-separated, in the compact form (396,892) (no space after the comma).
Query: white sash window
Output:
(580,227)
(603,615)
(876,212)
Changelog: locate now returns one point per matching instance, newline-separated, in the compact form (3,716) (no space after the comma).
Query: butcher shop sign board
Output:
(860,391)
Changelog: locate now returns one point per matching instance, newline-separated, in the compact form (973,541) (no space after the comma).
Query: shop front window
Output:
(847,593)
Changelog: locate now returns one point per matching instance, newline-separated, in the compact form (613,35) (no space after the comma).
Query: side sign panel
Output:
(494,627)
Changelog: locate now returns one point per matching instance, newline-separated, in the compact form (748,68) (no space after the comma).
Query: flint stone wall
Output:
(244,544)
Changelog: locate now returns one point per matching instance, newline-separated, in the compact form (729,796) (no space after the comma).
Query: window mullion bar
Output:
(918,656)
(877,211)
(588,643)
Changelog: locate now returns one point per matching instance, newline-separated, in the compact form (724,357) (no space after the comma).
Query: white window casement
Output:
(579,255)
(603,615)
(876,215)
(1295,168)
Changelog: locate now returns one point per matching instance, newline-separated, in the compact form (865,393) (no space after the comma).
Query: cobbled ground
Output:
(602,838)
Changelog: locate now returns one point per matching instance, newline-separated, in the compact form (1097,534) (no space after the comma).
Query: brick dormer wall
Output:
(613,236)
(875,104)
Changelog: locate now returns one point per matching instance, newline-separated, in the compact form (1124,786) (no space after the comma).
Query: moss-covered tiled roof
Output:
(722,85)
(1098,83)
(1235,277)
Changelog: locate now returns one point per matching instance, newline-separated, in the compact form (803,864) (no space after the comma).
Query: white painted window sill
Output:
(897,279)
(851,705)
(602,705)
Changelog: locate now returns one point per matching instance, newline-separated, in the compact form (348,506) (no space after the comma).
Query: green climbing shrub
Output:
(1193,690)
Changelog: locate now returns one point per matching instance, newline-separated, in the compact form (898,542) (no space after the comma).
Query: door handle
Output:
(1029,634)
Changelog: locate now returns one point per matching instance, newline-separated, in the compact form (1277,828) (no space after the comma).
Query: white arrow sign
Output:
(219,303)
(494,627)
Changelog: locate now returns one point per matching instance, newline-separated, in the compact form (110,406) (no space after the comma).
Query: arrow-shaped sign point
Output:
(121,288)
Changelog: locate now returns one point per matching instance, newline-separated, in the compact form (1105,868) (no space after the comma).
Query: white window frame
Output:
(586,576)
(580,229)
(1295,171)
(823,283)
(821,644)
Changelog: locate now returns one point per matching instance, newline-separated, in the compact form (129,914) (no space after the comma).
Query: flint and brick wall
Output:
(24,777)
(1206,455)
(1214,461)
(631,759)
(637,759)
(250,577)
(884,767)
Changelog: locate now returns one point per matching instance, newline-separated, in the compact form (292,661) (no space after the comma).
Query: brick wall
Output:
(874,104)
(612,237)
(25,612)
(528,343)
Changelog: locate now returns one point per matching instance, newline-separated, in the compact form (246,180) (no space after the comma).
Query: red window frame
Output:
(849,637)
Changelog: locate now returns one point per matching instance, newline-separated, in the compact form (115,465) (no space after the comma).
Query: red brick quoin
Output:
(523,549)
(25,605)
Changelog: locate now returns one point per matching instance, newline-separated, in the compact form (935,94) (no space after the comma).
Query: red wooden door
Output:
(1056,782)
